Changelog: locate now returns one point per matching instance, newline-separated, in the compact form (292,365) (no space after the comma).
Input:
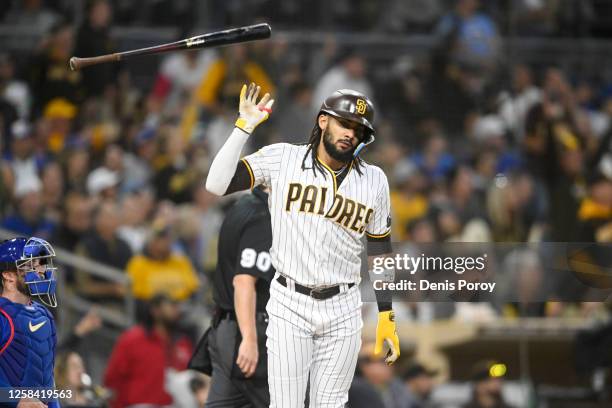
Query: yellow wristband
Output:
(242,124)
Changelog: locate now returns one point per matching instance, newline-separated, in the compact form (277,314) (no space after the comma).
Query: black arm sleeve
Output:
(381,246)
(242,180)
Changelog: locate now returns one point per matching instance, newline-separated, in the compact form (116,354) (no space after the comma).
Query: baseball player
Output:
(323,199)
(27,330)
(241,288)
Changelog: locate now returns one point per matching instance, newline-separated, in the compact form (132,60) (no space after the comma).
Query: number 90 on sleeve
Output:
(250,258)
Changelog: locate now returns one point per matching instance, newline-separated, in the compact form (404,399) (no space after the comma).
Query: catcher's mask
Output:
(33,259)
(354,106)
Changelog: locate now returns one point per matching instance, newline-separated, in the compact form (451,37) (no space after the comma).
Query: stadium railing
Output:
(72,304)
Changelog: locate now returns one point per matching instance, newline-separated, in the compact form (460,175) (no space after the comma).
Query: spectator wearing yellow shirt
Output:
(407,199)
(59,114)
(226,75)
(221,83)
(160,270)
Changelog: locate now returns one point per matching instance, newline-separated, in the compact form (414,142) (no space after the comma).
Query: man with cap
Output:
(487,377)
(160,269)
(25,164)
(102,184)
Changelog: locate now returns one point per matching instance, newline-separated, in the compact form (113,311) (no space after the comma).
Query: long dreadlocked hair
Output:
(313,146)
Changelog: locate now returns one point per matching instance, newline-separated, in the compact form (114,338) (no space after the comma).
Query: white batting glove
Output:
(253,113)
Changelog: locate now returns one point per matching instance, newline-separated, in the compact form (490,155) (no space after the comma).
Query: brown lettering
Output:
(347,213)
(309,199)
(322,201)
(338,201)
(294,193)
(356,226)
(367,219)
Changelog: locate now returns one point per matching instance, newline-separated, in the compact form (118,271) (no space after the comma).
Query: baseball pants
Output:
(320,338)
(226,391)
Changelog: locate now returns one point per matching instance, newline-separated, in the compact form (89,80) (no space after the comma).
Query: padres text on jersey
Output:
(317,224)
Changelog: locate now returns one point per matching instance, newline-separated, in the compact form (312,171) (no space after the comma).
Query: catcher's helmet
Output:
(32,257)
(11,251)
(353,106)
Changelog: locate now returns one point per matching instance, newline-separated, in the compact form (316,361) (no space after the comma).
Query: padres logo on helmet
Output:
(361,106)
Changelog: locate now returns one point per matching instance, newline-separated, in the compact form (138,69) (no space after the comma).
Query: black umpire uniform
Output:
(245,239)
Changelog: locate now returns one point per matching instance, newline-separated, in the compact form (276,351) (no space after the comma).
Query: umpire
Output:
(236,341)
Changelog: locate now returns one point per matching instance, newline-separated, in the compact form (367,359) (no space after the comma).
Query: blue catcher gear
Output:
(27,331)
(11,251)
(32,258)
(27,347)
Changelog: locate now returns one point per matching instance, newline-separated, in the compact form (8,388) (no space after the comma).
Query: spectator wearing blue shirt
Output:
(23,161)
(472,36)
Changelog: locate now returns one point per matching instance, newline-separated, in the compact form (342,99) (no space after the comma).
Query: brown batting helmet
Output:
(353,106)
(350,105)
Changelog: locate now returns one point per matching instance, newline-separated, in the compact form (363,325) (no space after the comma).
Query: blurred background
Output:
(493,125)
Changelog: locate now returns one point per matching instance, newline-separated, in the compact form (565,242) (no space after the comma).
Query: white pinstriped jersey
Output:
(317,225)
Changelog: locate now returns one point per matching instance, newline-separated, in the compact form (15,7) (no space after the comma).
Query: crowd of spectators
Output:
(474,150)
(513,17)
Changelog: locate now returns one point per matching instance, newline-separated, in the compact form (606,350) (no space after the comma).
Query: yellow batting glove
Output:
(252,113)
(386,333)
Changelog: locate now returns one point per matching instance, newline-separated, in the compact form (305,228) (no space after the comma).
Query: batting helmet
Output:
(354,106)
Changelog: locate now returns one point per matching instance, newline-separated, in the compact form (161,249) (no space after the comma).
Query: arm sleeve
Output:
(223,167)
(379,246)
(263,165)
(254,249)
(383,300)
(378,235)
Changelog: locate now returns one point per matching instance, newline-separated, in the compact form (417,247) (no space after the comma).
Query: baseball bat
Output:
(215,39)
